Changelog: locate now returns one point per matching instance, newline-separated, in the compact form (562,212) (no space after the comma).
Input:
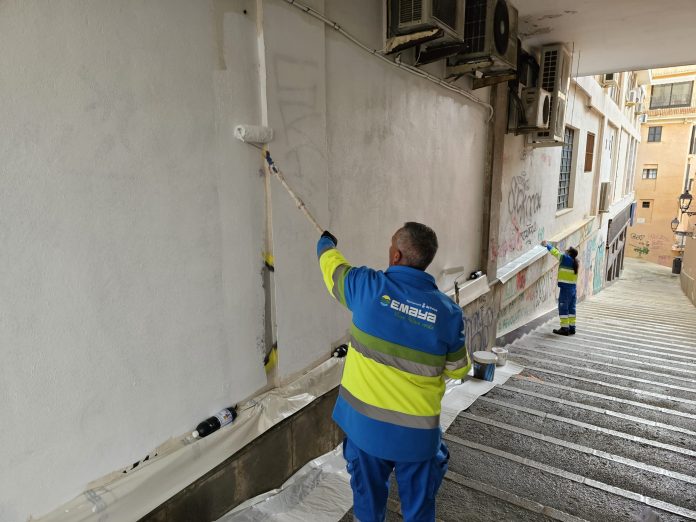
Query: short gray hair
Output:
(417,244)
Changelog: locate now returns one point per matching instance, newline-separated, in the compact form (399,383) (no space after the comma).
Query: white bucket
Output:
(502,355)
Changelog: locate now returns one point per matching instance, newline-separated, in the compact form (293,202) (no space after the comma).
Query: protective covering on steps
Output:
(321,492)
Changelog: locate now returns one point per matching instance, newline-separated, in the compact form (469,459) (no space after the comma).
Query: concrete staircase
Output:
(599,426)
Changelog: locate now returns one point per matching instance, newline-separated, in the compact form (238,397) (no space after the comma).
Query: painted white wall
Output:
(131,304)
(367,147)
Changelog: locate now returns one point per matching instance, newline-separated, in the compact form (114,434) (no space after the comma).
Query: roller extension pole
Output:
(258,136)
(298,202)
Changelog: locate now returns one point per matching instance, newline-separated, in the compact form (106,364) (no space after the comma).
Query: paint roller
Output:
(258,137)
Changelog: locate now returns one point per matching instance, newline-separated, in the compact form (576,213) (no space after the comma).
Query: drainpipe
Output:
(493,179)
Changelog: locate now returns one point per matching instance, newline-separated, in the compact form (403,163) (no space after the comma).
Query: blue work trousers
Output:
(566,307)
(418,484)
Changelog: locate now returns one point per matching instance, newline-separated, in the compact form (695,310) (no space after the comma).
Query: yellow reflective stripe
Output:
(458,369)
(397,350)
(392,389)
(392,417)
(395,361)
(329,261)
(567,275)
(455,356)
(455,365)
(339,278)
(556,253)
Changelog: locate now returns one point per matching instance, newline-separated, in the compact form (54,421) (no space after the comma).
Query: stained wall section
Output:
(131,302)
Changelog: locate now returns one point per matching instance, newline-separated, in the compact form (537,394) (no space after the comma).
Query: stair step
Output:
(625,445)
(645,357)
(614,470)
(609,389)
(661,373)
(618,422)
(553,487)
(608,403)
(678,392)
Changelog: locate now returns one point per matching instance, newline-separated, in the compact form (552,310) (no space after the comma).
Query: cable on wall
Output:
(395,63)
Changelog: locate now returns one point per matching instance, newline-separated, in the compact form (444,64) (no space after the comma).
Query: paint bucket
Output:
(484,365)
(502,355)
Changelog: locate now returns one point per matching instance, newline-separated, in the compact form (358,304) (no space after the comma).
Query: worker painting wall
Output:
(529,210)
(132,221)
(368,147)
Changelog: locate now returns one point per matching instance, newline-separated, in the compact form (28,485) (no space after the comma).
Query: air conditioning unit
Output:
(537,109)
(490,39)
(610,79)
(643,118)
(437,23)
(556,63)
(631,98)
(604,196)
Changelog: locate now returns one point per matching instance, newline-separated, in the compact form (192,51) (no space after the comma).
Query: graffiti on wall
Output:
(642,244)
(538,298)
(521,230)
(479,323)
(665,260)
(523,202)
(598,269)
(533,291)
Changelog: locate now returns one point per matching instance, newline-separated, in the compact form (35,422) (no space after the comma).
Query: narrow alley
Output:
(600,426)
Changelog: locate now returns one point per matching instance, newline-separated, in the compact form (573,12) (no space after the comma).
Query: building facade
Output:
(665,164)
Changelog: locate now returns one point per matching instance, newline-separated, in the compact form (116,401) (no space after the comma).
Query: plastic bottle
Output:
(214,423)
(340,351)
(475,275)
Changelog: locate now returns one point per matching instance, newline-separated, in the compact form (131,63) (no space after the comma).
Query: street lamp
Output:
(685,201)
(675,225)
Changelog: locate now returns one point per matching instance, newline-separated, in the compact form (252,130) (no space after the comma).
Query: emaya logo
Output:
(408,309)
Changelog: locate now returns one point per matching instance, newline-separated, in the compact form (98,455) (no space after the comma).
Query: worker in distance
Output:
(567,282)
(406,337)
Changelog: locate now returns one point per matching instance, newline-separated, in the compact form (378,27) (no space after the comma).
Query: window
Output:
(671,95)
(566,166)
(644,212)
(589,152)
(654,133)
(650,173)
(692,147)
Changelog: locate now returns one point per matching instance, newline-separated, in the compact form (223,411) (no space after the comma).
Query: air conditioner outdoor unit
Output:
(555,79)
(490,39)
(631,98)
(604,196)
(537,109)
(437,23)
(610,79)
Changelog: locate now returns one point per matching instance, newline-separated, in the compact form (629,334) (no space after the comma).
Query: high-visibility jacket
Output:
(566,275)
(405,337)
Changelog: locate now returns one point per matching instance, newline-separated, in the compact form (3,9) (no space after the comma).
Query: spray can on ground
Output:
(214,423)
(475,275)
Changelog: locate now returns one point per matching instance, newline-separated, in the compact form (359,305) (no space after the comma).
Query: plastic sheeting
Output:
(321,492)
(181,461)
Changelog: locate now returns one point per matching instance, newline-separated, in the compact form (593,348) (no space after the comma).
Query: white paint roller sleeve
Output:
(253,133)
